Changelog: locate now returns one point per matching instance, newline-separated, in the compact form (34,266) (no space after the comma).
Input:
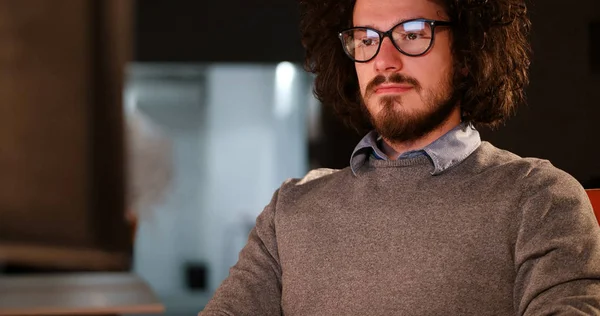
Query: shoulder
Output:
(541,178)
(314,179)
(531,176)
(490,159)
(293,190)
(315,182)
(504,174)
(311,176)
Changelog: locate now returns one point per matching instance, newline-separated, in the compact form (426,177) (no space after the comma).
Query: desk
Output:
(77,294)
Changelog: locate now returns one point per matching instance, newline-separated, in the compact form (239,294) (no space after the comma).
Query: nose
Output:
(389,59)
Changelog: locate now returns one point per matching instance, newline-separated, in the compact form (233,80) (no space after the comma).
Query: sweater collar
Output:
(444,153)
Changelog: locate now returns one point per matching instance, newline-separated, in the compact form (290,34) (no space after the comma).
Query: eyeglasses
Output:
(412,38)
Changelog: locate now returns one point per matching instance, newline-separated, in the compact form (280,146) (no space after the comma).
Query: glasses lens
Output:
(360,43)
(413,37)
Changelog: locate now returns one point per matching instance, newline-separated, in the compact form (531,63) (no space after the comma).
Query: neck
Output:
(394,149)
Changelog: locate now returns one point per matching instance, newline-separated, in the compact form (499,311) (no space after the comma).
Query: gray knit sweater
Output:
(495,235)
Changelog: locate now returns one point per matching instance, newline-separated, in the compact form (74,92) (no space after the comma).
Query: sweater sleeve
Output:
(557,252)
(253,286)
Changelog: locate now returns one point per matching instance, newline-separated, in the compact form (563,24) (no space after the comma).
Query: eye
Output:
(368,41)
(412,36)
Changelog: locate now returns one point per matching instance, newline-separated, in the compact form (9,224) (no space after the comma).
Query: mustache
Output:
(393,78)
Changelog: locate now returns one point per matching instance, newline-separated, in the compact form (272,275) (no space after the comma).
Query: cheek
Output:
(432,69)
(432,72)
(363,75)
(441,65)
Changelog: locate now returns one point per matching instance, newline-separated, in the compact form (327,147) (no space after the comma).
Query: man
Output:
(427,220)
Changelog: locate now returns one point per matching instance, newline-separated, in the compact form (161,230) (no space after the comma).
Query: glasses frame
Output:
(388,34)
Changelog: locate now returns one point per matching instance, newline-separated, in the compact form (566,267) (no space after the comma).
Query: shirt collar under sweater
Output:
(445,152)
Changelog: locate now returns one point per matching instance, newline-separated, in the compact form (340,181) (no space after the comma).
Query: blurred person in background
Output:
(149,166)
(427,219)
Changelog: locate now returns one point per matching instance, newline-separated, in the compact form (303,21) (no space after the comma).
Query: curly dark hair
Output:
(490,39)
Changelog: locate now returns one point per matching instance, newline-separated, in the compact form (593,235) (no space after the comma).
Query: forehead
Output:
(383,14)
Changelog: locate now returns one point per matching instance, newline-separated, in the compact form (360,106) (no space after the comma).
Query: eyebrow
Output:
(402,20)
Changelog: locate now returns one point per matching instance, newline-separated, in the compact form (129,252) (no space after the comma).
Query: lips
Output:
(393,88)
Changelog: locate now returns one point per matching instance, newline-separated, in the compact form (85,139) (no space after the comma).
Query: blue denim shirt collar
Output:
(444,153)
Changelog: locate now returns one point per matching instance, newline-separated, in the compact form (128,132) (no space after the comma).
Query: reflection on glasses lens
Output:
(412,38)
(361,44)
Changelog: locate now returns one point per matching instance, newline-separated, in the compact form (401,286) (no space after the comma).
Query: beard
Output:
(397,124)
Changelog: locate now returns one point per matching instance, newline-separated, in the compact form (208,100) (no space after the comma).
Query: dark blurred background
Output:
(146,136)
